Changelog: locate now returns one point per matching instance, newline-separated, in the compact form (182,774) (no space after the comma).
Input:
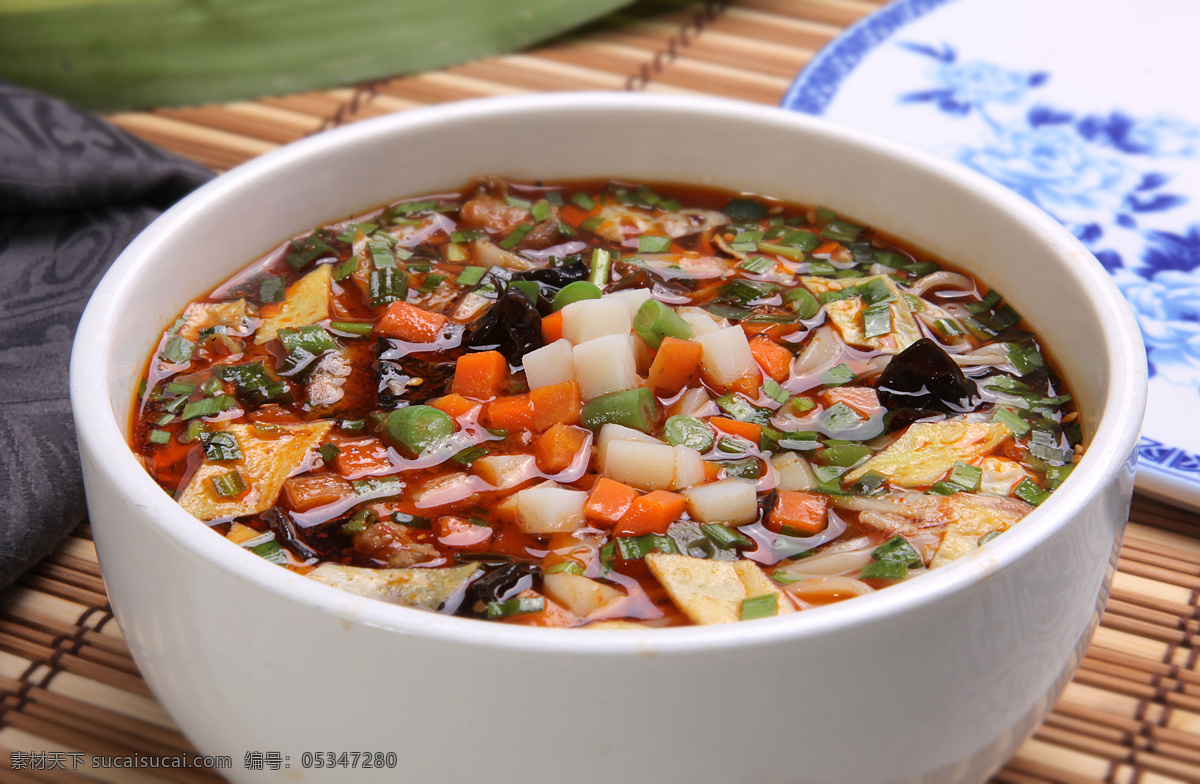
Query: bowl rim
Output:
(1111,451)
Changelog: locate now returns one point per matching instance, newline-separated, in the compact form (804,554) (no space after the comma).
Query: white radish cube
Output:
(589,319)
(551,364)
(700,320)
(729,501)
(641,465)
(631,297)
(605,365)
(550,509)
(726,356)
(689,468)
(694,402)
(581,595)
(614,432)
(792,472)
(505,471)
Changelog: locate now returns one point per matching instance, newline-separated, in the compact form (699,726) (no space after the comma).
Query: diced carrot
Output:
(746,385)
(556,449)
(608,502)
(480,374)
(408,322)
(453,404)
(511,412)
(309,492)
(651,513)
(802,511)
(565,547)
(774,359)
(826,247)
(552,615)
(556,403)
(748,430)
(861,399)
(712,470)
(675,366)
(552,327)
(362,457)
(773,331)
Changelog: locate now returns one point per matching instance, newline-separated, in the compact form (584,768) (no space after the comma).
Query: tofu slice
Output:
(205,315)
(306,302)
(710,592)
(927,450)
(267,459)
(428,589)
(972,516)
(846,314)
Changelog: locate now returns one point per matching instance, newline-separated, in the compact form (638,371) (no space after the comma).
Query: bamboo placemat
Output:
(69,690)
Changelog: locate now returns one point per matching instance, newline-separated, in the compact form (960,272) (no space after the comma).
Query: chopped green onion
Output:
(346,268)
(945,488)
(386,286)
(381,254)
(329,452)
(352,327)
(518,605)
(1056,475)
(784,577)
(636,408)
(839,417)
(412,521)
(306,251)
(733,445)
(965,476)
(582,200)
(593,223)
(514,237)
(432,281)
(176,388)
(513,201)
(841,231)
(825,215)
(772,390)
(745,209)
(576,291)
(822,269)
(877,320)
(271,551)
(869,483)
(1030,493)
(991,300)
(633,548)
(178,350)
(727,311)
(253,383)
(837,376)
(746,468)
(747,290)
(655,321)
(989,536)
(159,437)
(947,327)
(194,432)
(360,521)
(270,288)
(209,406)
(470,276)
(377,487)
(469,455)
(565,567)
(229,484)
(222,446)
(688,431)
(743,410)
(468,235)
(892,560)
(414,429)
(765,606)
(529,287)
(725,537)
(352,425)
(1025,359)
(787,251)
(303,345)
(844,455)
(1006,416)
(803,302)
(757,265)
(600,267)
(541,211)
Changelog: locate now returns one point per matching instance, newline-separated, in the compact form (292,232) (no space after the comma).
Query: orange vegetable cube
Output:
(774,359)
(804,512)
(511,412)
(675,366)
(552,327)
(309,492)
(453,404)
(410,323)
(362,457)
(480,374)
(861,399)
(748,430)
(651,513)
(556,403)
(556,449)
(608,502)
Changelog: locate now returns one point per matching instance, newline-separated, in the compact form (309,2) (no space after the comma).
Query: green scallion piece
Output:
(352,327)
(765,606)
(303,345)
(415,429)
(530,287)
(822,269)
(468,235)
(892,561)
(253,383)
(514,237)
(271,288)
(746,468)
(178,350)
(565,567)
(757,265)
(869,483)
(386,286)
(1030,493)
(745,209)
(725,537)
(1007,416)
(208,406)
(346,268)
(593,223)
(965,476)
(1026,359)
(944,488)
(582,200)
(360,521)
(633,548)
(843,455)
(877,320)
(839,417)
(159,437)
(688,431)
(948,328)
(470,276)
(222,446)
(655,321)
(841,231)
(306,251)
(600,267)
(803,302)
(541,211)
(469,455)
(328,453)
(777,393)
(176,388)
(738,407)
(787,251)
(513,201)
(229,484)
(518,605)
(271,551)
(636,408)
(576,291)
(837,376)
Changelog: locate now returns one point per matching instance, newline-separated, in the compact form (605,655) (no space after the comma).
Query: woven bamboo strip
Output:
(754,25)
(1058,764)
(73,710)
(24,777)
(254,121)
(841,13)
(217,149)
(40,581)
(692,74)
(535,73)
(761,57)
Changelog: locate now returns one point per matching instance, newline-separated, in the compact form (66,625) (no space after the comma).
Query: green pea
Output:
(688,431)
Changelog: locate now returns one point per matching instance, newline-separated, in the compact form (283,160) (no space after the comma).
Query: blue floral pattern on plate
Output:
(1119,169)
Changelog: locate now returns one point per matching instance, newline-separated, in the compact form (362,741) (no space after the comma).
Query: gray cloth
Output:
(74,191)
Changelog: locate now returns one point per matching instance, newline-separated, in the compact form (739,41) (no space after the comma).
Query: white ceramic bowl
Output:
(934,680)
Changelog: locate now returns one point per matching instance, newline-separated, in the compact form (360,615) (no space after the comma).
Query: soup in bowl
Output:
(935,678)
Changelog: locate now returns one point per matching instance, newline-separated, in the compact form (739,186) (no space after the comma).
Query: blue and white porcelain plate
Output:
(1088,108)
